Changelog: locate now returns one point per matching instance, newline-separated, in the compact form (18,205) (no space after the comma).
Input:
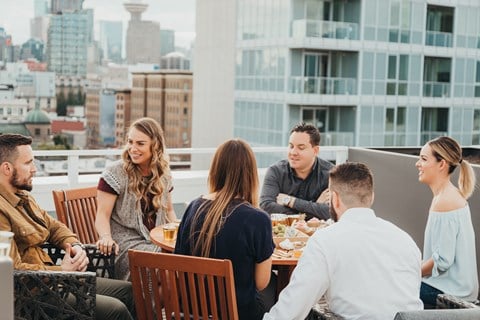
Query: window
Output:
(476,127)
(477,80)
(400,21)
(397,75)
(395,126)
(37,132)
(434,123)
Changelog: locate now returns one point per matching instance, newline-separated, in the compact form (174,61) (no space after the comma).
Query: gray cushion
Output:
(446,314)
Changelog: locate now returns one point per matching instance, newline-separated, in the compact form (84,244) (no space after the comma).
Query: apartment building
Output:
(365,72)
(165,96)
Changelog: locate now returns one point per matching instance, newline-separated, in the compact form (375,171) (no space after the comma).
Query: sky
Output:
(178,15)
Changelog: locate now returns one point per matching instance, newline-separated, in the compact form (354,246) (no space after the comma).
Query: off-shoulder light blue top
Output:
(450,241)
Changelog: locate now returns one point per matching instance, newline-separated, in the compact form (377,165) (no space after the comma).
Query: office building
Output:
(165,96)
(70,33)
(122,115)
(167,41)
(62,6)
(365,72)
(33,48)
(111,40)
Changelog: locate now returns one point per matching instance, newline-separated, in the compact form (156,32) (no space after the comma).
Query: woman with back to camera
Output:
(449,264)
(227,224)
(134,195)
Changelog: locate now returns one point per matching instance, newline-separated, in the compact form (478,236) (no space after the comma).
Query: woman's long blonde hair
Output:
(158,165)
(449,150)
(233,176)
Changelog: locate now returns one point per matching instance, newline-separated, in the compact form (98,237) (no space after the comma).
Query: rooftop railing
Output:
(77,168)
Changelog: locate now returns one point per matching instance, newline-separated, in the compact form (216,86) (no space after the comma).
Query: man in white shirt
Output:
(366,267)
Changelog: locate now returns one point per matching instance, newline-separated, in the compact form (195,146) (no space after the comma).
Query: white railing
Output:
(436,89)
(188,184)
(438,38)
(325,29)
(323,85)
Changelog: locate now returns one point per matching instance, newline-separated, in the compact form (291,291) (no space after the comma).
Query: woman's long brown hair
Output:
(159,165)
(233,176)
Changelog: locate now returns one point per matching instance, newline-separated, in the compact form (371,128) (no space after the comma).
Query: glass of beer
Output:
(170,231)
(5,242)
(278,218)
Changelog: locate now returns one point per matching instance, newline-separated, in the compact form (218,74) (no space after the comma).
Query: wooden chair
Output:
(195,288)
(77,209)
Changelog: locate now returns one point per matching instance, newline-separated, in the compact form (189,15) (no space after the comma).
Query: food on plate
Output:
(287,244)
(279,230)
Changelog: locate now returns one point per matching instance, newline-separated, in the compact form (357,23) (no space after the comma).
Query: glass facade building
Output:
(365,72)
(69,35)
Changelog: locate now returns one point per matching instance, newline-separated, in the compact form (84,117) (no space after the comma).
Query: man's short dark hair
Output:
(9,143)
(309,129)
(353,181)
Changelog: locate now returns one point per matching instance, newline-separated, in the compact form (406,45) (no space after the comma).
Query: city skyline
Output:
(15,17)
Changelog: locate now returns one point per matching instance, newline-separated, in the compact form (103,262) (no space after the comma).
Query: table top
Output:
(156,235)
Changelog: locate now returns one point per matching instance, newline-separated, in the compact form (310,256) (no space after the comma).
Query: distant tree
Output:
(61,104)
(61,140)
(80,98)
(71,99)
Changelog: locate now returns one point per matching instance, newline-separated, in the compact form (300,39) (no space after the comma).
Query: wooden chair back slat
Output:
(193,287)
(77,209)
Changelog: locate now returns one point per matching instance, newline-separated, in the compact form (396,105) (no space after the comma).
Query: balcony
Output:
(304,28)
(323,85)
(438,39)
(399,197)
(436,89)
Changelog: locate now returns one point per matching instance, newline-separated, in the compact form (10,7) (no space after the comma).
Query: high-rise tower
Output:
(143,37)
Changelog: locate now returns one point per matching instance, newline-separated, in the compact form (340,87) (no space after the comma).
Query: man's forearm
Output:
(318,210)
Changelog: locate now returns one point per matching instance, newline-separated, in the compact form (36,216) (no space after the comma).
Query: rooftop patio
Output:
(399,197)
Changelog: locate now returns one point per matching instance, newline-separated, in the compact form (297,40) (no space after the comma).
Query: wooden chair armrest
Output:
(54,295)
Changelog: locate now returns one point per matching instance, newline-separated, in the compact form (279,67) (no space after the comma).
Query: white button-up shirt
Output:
(367,267)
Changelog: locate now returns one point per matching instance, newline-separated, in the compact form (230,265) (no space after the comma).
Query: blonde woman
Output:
(227,224)
(134,195)
(449,264)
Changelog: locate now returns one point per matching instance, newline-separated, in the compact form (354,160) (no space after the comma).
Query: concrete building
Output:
(32,49)
(165,96)
(39,28)
(32,86)
(175,61)
(122,115)
(107,118)
(143,37)
(92,112)
(11,108)
(111,40)
(365,72)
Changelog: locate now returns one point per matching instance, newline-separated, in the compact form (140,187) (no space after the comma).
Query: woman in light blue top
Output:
(449,264)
